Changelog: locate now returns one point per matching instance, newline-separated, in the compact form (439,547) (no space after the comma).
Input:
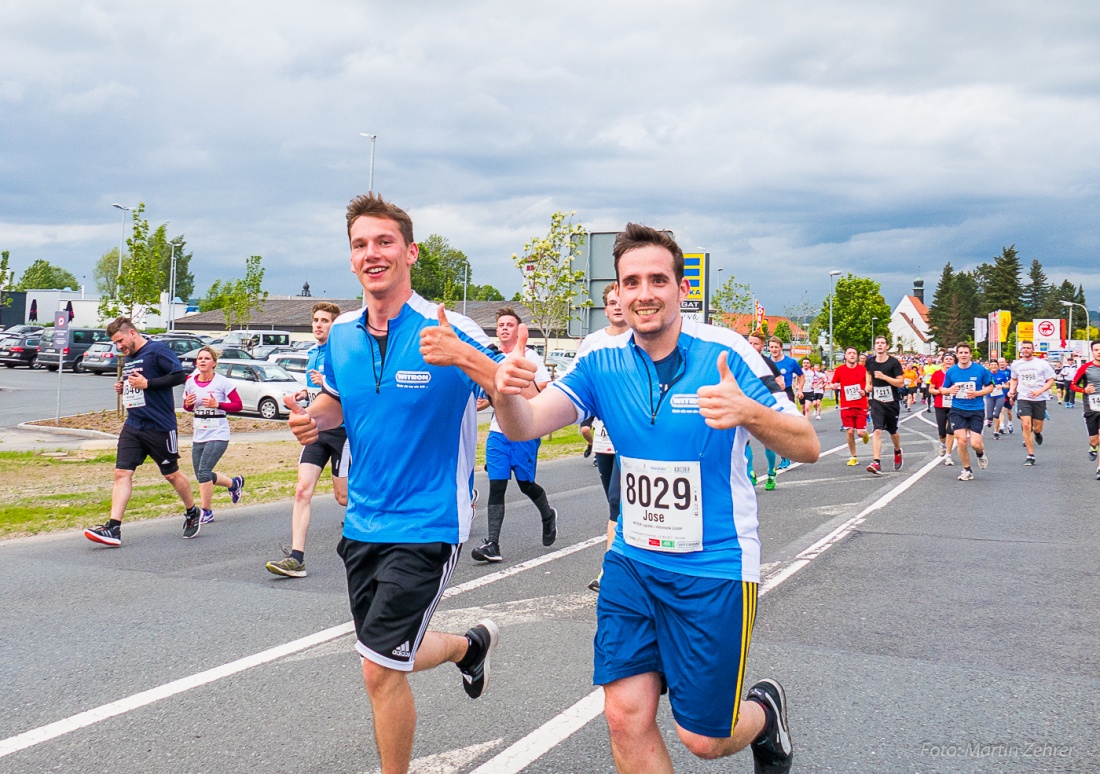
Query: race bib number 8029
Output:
(662,504)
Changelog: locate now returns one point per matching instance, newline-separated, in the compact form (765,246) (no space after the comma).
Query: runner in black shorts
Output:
(884,379)
(331,446)
(150,373)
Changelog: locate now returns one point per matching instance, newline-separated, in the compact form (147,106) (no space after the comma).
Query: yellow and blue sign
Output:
(696,267)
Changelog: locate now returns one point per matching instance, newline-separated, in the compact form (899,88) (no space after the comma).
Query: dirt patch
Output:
(109,421)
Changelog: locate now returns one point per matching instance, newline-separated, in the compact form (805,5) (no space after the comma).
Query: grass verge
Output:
(47,491)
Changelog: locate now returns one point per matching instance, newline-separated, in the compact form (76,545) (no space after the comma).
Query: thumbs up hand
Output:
(439,344)
(300,422)
(724,405)
(516,373)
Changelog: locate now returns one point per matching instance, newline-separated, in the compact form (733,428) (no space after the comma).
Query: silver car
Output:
(260,384)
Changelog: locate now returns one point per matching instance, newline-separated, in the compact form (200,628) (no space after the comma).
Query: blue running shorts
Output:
(694,631)
(504,457)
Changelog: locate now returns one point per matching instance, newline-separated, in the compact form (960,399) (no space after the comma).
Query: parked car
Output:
(188,358)
(101,358)
(303,345)
(77,342)
(293,362)
(19,350)
(179,343)
(265,351)
(260,384)
(20,330)
(258,338)
(558,365)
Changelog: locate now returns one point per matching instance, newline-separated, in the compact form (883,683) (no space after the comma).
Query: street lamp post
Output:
(873,333)
(1088,322)
(172,289)
(832,279)
(717,284)
(370,180)
(121,243)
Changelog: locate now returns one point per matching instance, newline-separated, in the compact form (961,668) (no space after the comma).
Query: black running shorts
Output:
(394,589)
(884,416)
(331,445)
(1092,422)
(135,445)
(1036,409)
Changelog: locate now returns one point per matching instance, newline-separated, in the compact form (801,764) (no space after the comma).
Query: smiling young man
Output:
(409,493)
(678,596)
(330,448)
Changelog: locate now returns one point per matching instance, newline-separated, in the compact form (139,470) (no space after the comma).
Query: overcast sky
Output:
(787,139)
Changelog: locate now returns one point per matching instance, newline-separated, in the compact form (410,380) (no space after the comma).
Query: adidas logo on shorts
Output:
(402,650)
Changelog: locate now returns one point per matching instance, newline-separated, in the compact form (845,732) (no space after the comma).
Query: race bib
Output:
(1094,401)
(132,397)
(998,390)
(601,441)
(311,394)
(851,392)
(966,390)
(662,505)
(947,401)
(205,423)
(883,394)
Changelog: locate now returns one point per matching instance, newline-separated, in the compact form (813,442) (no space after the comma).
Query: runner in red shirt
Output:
(850,381)
(943,408)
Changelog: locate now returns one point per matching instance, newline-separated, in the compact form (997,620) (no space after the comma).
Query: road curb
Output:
(64,431)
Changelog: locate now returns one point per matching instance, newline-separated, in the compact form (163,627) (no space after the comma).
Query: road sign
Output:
(1048,331)
(801,350)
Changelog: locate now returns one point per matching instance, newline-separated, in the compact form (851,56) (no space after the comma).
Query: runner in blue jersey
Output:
(402,360)
(331,448)
(149,374)
(678,596)
(995,401)
(967,383)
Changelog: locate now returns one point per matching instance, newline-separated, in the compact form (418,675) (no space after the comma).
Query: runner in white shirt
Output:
(1032,378)
(1065,375)
(209,397)
(601,442)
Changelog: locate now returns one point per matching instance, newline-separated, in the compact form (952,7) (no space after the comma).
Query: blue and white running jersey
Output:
(412,428)
(315,361)
(617,381)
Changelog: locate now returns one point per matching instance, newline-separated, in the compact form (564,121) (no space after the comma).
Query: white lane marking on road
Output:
(841,532)
(448,762)
(544,738)
(89,717)
(833,450)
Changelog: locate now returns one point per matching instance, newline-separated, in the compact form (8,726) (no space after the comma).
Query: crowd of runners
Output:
(667,406)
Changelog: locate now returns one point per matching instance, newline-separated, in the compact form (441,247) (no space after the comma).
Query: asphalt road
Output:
(918,623)
(27,395)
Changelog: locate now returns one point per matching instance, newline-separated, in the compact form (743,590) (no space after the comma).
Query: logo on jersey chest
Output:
(413,379)
(684,403)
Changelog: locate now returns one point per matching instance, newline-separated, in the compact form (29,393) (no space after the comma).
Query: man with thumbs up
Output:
(678,596)
(402,359)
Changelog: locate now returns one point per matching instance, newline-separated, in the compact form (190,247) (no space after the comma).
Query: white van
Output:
(248,339)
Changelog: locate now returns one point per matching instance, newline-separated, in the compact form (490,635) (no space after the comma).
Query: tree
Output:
(105,272)
(858,299)
(237,298)
(440,270)
(954,307)
(732,298)
(1000,283)
(140,283)
(783,330)
(7,278)
(185,280)
(42,275)
(483,293)
(1035,292)
(550,283)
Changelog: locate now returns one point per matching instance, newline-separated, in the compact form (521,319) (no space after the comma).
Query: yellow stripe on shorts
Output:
(748,620)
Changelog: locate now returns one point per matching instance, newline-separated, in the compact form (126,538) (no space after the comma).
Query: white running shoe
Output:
(948,462)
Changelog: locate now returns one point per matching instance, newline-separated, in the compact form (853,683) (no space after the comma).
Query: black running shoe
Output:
(1029,462)
(772,754)
(108,536)
(475,677)
(550,528)
(191,522)
(1092,453)
(1038,438)
(487,552)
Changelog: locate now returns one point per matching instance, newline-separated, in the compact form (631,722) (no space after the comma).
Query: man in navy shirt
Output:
(792,375)
(150,373)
